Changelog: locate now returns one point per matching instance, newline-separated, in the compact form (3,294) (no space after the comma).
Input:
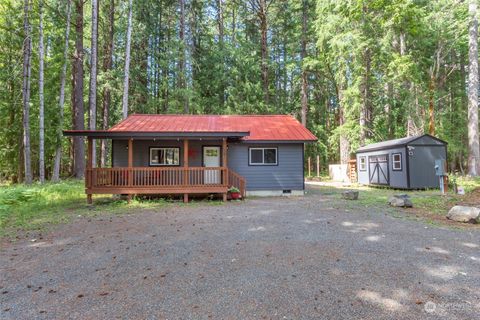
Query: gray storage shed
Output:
(406,163)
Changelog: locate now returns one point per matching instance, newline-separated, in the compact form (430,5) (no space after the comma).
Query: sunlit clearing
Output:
(443,272)
(376,298)
(400,294)
(266,212)
(373,238)
(433,249)
(357,227)
(257,229)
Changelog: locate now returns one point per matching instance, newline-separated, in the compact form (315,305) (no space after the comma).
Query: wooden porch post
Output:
(185,167)
(224,165)
(130,153)
(89,177)
(130,165)
(224,151)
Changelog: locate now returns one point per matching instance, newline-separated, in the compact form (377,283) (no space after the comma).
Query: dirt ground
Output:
(472,199)
(263,258)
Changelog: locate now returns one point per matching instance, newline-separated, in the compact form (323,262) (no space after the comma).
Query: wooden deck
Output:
(162,180)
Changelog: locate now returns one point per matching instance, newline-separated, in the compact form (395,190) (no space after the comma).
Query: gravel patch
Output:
(265,258)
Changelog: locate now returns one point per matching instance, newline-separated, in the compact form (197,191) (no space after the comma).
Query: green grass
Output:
(468,183)
(429,201)
(313,176)
(24,206)
(33,207)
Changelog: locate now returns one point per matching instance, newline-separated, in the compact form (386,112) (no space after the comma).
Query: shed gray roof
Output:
(395,143)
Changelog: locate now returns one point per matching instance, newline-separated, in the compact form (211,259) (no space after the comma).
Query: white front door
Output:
(211,158)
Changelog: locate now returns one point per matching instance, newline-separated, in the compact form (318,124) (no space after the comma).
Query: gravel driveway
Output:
(272,258)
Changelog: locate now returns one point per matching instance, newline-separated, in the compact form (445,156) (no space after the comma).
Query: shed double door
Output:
(378,169)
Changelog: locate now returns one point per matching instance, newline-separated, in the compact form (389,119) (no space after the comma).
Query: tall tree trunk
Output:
(79,116)
(195,36)
(304,89)
(41,57)
(234,27)
(107,66)
(365,105)
(283,70)
(183,83)
(262,14)
(473,143)
(58,151)
(389,110)
(92,92)
(15,139)
(432,86)
(431,105)
(126,77)
(27,69)
(221,93)
(344,143)
(463,102)
(411,127)
(166,66)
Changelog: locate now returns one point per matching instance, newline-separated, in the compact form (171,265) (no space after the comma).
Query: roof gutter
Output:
(105,134)
(382,148)
(276,141)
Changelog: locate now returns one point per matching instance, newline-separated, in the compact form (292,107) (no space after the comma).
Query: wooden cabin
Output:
(199,154)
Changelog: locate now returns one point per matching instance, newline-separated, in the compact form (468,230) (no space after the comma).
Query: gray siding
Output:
(141,151)
(287,175)
(422,165)
(398,179)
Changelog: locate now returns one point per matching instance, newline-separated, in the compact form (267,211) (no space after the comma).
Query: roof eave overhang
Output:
(382,148)
(397,146)
(401,145)
(277,141)
(146,134)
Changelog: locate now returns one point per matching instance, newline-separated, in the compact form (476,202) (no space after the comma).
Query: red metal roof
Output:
(260,127)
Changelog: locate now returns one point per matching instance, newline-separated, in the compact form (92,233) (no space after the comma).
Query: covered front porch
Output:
(132,177)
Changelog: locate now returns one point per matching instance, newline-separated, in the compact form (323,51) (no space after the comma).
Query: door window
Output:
(397,161)
(211,156)
(363,163)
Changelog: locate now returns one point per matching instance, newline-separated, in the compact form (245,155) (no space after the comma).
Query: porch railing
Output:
(163,178)
(237,181)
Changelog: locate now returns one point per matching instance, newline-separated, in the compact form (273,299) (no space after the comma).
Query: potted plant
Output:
(234,193)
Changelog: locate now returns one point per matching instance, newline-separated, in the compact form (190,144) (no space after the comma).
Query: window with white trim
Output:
(397,161)
(362,166)
(165,156)
(263,156)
